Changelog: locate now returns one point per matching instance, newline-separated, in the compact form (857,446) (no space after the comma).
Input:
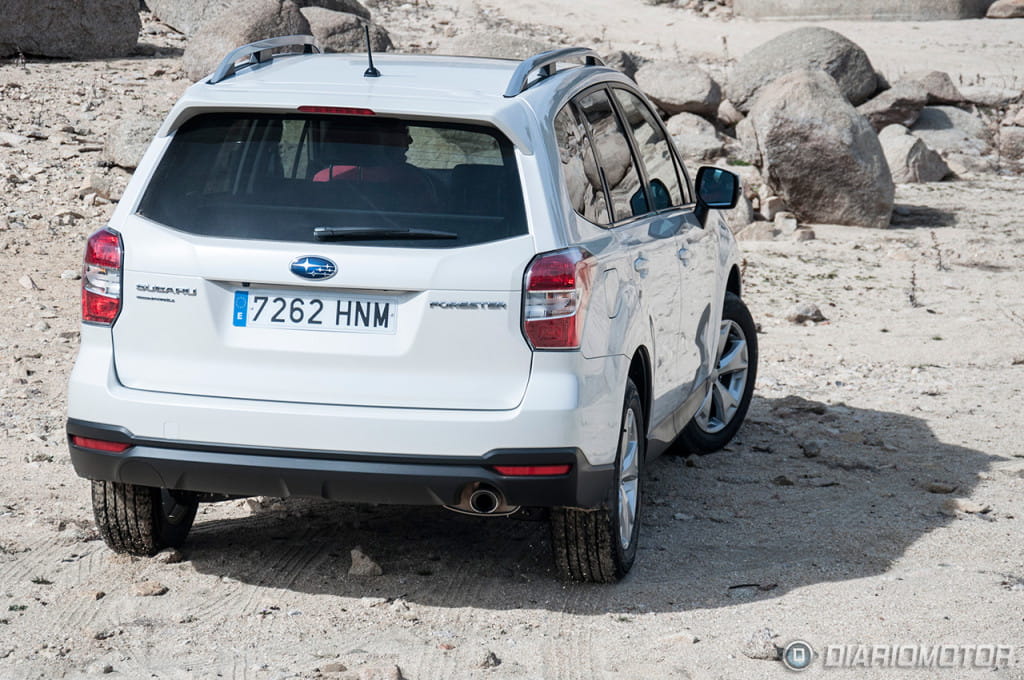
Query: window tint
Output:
(653,147)
(616,160)
(277,177)
(579,169)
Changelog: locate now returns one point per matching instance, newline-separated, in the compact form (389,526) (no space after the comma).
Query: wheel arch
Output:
(734,283)
(640,374)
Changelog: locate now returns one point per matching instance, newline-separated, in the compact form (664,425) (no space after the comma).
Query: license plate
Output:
(314,312)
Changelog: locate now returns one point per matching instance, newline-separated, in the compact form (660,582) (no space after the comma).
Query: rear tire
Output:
(142,520)
(729,393)
(600,545)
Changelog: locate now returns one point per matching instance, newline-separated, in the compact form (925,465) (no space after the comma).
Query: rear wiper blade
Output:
(374,233)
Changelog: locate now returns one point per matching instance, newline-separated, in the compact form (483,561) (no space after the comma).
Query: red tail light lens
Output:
(101,278)
(556,289)
(99,444)
(532,470)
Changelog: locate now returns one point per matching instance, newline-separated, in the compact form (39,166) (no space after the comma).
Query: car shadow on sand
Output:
(808,493)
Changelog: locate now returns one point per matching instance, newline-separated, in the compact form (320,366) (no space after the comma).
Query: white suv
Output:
(463,282)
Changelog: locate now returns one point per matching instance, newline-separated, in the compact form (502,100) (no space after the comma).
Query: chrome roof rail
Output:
(261,51)
(545,62)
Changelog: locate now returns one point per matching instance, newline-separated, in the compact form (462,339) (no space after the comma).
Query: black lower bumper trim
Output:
(344,476)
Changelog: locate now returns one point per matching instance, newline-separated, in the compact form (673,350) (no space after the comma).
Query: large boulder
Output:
(73,29)
(188,16)
(991,96)
(938,84)
(622,60)
(128,139)
(821,156)
(947,129)
(342,32)
(679,87)
(244,23)
(899,105)
(811,47)
(1006,9)
(1011,143)
(909,158)
(695,137)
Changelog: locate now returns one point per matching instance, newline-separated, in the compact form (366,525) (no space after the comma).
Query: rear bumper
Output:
(342,475)
(571,402)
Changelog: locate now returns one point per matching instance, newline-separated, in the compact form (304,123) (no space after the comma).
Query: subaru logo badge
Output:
(312,267)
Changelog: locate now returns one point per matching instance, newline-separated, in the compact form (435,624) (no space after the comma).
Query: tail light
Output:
(101,278)
(532,470)
(555,293)
(99,444)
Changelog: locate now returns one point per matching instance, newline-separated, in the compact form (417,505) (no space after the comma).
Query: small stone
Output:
(169,556)
(333,667)
(363,565)
(682,516)
(804,234)
(27,283)
(951,506)
(761,645)
(71,275)
(940,487)
(772,206)
(805,311)
(782,480)
(96,594)
(758,231)
(490,660)
(99,668)
(103,634)
(785,222)
(150,589)
(811,449)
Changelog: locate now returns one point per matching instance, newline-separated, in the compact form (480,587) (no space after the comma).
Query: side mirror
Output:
(717,189)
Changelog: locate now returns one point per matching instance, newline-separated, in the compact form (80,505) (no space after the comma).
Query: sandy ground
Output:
(873,497)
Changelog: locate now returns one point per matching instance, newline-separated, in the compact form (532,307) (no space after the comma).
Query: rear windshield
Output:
(367,180)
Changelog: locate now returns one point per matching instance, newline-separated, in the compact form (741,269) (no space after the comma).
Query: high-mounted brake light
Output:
(99,444)
(101,278)
(532,470)
(338,110)
(556,289)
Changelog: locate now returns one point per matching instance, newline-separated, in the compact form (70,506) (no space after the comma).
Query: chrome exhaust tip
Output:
(482,499)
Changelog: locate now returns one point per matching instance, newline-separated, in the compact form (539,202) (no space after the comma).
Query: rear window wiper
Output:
(374,233)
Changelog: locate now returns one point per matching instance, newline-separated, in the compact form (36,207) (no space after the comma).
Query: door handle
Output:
(640,265)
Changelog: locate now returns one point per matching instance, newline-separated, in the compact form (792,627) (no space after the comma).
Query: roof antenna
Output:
(370,72)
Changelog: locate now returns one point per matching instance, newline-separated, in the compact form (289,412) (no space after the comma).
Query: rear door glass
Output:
(616,159)
(579,168)
(279,177)
(653,147)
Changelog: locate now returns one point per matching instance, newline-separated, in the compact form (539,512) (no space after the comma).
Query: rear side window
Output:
(616,159)
(663,184)
(579,169)
(280,177)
